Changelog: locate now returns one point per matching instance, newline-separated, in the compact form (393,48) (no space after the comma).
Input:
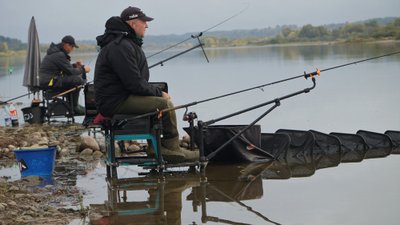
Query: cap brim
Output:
(76,46)
(146,18)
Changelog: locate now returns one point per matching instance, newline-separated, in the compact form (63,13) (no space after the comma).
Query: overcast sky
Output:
(84,19)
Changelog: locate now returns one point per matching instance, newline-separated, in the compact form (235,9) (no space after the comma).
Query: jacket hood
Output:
(57,48)
(54,48)
(116,28)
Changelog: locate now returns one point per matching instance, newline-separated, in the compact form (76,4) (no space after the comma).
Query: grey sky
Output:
(85,19)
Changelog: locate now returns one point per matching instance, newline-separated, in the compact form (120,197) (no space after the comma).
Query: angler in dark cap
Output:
(122,75)
(56,70)
(69,40)
(131,13)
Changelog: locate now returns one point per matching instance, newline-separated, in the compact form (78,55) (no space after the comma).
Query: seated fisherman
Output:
(121,80)
(56,70)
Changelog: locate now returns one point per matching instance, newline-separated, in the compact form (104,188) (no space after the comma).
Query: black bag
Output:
(245,148)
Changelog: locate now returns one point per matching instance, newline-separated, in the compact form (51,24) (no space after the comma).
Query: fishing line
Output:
(201,33)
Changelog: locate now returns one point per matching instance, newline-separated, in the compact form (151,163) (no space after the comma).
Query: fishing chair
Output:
(58,104)
(122,128)
(126,128)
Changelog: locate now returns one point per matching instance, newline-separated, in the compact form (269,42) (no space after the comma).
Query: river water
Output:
(362,96)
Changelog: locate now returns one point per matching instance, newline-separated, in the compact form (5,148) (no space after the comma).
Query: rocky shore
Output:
(31,200)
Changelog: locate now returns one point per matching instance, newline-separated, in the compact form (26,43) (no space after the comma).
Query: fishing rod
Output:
(9,100)
(202,32)
(305,75)
(200,44)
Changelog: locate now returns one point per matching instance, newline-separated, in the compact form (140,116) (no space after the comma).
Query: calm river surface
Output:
(363,96)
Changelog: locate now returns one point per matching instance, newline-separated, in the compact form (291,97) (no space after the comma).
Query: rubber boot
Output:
(168,155)
(78,109)
(173,145)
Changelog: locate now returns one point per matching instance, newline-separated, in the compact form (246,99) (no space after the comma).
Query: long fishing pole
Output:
(11,99)
(202,32)
(305,75)
(181,53)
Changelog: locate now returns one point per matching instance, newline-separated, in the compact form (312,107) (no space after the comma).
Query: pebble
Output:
(97,155)
(86,152)
(14,188)
(11,203)
(2,206)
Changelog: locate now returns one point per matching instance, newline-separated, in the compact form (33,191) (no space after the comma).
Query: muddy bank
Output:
(22,202)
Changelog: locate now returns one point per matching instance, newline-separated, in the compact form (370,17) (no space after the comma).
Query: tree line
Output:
(349,32)
(11,44)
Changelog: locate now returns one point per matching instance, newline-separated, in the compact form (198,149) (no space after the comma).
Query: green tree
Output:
(310,32)
(4,47)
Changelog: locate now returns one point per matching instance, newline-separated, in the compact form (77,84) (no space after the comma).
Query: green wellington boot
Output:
(173,145)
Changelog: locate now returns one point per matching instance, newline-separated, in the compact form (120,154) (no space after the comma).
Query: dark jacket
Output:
(121,67)
(56,63)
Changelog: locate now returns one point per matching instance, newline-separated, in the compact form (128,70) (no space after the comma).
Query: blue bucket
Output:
(36,162)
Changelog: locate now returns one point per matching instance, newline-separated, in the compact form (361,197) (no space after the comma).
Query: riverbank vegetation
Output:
(368,30)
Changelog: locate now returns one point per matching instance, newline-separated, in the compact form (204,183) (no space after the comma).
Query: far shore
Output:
(336,42)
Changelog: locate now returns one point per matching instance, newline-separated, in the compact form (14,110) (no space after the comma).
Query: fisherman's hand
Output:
(166,96)
(86,68)
(78,63)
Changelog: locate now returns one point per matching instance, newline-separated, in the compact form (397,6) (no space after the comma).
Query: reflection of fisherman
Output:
(173,199)
(56,70)
(164,205)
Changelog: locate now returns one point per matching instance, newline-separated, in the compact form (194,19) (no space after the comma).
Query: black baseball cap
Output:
(131,13)
(70,40)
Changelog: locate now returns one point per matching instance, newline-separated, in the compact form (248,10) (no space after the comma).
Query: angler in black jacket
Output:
(57,72)
(122,75)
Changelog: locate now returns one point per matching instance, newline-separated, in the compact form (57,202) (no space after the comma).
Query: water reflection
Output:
(163,205)
(159,199)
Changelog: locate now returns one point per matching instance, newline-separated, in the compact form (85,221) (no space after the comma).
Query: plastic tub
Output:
(36,162)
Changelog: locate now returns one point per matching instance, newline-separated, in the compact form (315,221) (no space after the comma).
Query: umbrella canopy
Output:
(32,64)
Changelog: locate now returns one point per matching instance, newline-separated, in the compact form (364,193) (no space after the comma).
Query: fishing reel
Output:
(190,117)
